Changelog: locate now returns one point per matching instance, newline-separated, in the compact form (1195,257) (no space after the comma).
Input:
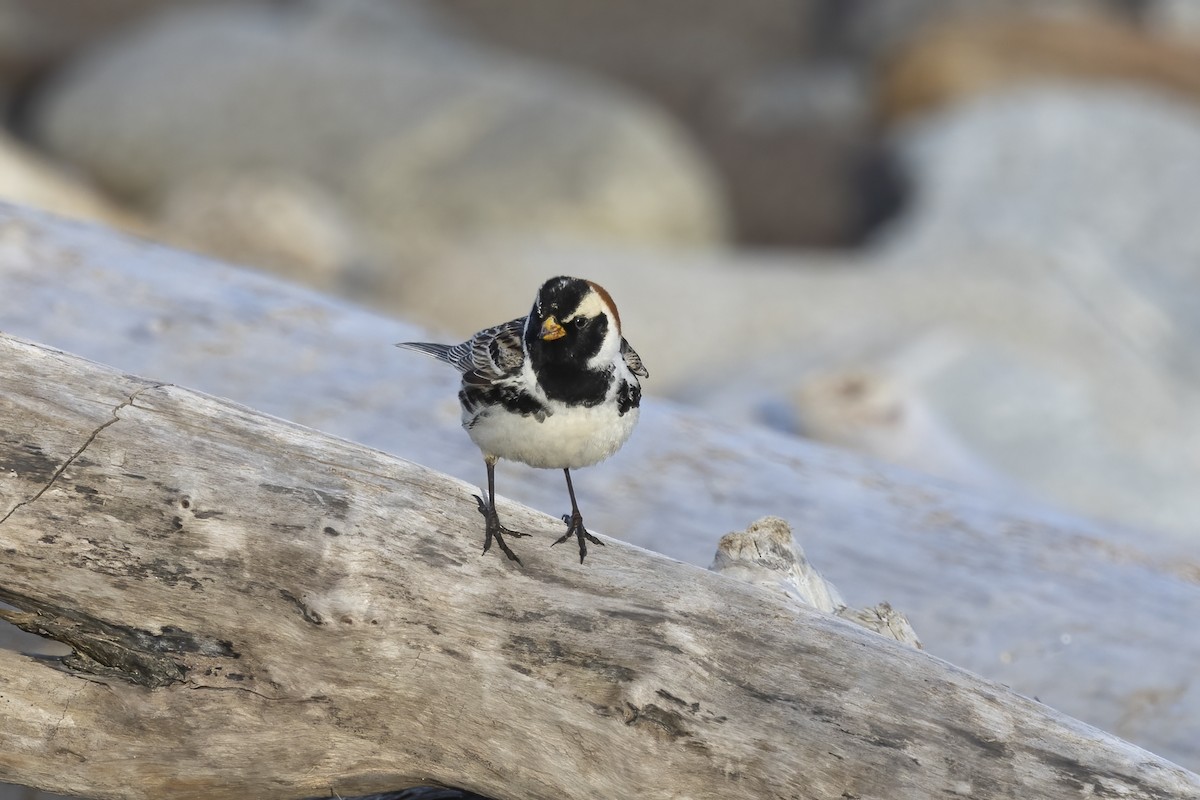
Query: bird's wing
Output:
(442,352)
(486,357)
(495,353)
(633,360)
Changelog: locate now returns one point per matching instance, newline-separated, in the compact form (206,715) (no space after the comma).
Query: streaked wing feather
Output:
(498,352)
(489,355)
(633,360)
(442,352)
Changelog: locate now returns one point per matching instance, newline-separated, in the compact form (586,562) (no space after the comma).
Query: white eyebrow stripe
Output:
(592,306)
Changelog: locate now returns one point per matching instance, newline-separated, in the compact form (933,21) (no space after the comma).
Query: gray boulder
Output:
(873,29)
(28,179)
(785,118)
(415,132)
(1072,209)
(1100,181)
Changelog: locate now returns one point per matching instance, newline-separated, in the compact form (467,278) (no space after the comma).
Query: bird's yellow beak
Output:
(551,330)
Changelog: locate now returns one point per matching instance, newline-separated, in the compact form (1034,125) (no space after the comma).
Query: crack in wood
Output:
(66,710)
(75,456)
(97,652)
(309,614)
(109,650)
(210,688)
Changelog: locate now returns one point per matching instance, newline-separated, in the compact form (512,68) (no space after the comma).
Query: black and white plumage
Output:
(557,389)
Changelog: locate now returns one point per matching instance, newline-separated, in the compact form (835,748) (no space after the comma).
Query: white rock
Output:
(28,179)
(1006,175)
(874,410)
(414,131)
(1179,19)
(1086,384)
(283,222)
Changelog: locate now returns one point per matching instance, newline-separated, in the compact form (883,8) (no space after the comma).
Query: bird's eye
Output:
(582,322)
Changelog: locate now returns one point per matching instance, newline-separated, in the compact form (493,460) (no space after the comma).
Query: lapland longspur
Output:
(557,389)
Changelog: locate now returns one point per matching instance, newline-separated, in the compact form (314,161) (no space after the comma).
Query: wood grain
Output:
(260,610)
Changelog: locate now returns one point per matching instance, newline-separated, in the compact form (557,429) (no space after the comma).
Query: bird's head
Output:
(573,321)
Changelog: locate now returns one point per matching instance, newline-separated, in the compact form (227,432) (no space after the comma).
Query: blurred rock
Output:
(1084,198)
(1176,19)
(36,35)
(412,131)
(776,92)
(28,179)
(1099,183)
(673,50)
(874,410)
(785,119)
(866,29)
(955,60)
(283,222)
(797,148)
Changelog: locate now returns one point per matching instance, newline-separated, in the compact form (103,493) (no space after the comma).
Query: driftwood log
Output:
(258,610)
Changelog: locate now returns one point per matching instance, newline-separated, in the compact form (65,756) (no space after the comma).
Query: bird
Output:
(556,389)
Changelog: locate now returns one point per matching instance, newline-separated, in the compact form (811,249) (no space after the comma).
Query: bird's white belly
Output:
(566,439)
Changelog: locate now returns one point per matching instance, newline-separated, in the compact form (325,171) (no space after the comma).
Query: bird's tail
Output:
(439,351)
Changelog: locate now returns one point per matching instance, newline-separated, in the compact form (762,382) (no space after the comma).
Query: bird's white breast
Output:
(570,437)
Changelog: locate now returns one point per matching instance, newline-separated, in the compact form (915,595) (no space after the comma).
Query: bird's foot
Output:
(493,529)
(575,527)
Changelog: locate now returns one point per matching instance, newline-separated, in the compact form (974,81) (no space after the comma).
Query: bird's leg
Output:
(492,527)
(575,523)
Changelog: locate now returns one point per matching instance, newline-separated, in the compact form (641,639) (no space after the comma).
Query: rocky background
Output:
(957,235)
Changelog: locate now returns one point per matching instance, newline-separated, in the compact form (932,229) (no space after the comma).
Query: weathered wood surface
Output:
(261,610)
(1094,620)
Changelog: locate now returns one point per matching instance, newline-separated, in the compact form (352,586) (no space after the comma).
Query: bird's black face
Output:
(567,325)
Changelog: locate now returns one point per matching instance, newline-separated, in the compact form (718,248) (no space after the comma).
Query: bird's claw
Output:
(493,529)
(575,527)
